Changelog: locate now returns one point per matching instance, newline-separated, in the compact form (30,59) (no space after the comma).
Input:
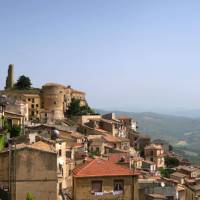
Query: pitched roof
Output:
(110,138)
(99,167)
(178,174)
(154,146)
(119,157)
(125,117)
(187,168)
(41,146)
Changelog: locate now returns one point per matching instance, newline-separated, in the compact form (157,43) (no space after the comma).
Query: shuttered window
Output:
(97,186)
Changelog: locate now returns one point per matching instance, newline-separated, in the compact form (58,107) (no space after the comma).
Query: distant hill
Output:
(195,113)
(183,132)
(168,127)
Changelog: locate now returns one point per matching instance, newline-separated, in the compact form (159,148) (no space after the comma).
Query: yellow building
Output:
(102,179)
(29,168)
(14,118)
(46,104)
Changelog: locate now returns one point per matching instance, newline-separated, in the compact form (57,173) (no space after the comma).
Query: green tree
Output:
(2,142)
(23,83)
(166,172)
(14,131)
(29,196)
(171,162)
(85,110)
(75,109)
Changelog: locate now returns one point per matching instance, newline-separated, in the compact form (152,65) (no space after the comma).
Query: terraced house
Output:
(103,179)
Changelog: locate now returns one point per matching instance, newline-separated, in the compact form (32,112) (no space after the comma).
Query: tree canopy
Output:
(23,83)
(166,172)
(76,109)
(171,162)
(14,131)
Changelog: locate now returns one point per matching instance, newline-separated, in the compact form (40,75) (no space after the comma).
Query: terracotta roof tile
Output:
(99,167)
(118,157)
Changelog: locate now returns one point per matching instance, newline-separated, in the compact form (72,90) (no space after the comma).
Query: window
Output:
(32,113)
(96,186)
(55,102)
(118,185)
(32,106)
(97,150)
(29,99)
(61,169)
(37,105)
(60,188)
(60,152)
(33,100)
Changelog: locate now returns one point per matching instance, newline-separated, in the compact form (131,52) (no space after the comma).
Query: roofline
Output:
(27,147)
(112,175)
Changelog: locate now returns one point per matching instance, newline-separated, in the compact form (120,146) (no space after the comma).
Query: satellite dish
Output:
(55,134)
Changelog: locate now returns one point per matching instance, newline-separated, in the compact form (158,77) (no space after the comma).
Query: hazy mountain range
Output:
(182,132)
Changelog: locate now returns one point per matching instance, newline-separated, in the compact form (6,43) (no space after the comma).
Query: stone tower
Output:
(10,77)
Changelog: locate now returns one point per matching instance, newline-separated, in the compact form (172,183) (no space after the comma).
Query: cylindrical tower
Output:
(53,99)
(10,77)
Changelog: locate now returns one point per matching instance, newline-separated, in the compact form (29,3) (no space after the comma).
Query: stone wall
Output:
(35,173)
(82,189)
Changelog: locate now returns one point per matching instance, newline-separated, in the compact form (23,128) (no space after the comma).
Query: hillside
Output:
(182,132)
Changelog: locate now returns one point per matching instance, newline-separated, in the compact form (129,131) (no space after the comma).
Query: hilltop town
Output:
(54,146)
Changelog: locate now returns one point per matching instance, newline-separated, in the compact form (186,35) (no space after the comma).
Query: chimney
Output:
(10,77)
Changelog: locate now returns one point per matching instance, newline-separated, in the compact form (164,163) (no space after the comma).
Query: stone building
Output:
(189,171)
(29,168)
(128,122)
(14,118)
(103,179)
(46,104)
(106,143)
(192,188)
(107,123)
(154,188)
(155,153)
(62,169)
(138,140)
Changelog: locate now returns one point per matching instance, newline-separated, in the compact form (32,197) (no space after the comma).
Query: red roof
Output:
(99,167)
(116,157)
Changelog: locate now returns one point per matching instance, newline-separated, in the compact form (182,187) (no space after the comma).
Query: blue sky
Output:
(139,55)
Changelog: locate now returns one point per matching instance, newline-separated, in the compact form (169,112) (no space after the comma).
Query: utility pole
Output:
(12,170)
(9,170)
